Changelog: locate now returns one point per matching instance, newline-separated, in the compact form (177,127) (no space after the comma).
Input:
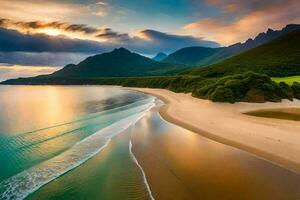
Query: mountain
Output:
(118,63)
(266,37)
(204,56)
(191,55)
(159,57)
(279,57)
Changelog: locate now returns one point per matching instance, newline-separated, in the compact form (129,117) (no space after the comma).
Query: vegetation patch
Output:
(289,79)
(246,87)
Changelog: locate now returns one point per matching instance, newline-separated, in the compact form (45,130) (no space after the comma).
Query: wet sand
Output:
(180,164)
(273,139)
(284,113)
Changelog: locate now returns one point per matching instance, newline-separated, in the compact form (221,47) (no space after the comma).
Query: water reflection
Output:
(183,165)
(26,108)
(38,123)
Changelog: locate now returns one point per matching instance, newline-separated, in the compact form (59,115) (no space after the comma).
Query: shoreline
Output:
(274,140)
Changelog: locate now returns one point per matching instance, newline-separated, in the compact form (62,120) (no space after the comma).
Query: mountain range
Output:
(200,56)
(117,63)
(275,53)
(279,57)
(123,63)
(160,56)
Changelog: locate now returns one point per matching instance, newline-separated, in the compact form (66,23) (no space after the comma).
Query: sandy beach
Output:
(275,140)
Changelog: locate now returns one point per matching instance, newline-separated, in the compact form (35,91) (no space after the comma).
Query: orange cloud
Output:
(231,8)
(246,26)
(78,31)
(35,9)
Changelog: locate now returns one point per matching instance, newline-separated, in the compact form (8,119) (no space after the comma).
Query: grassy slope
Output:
(280,58)
(289,80)
(192,55)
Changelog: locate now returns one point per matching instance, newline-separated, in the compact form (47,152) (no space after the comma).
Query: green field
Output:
(289,80)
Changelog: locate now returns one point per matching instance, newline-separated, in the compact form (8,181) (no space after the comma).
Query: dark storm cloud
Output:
(170,41)
(11,40)
(150,42)
(42,58)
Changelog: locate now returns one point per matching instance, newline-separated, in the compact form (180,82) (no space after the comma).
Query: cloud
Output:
(41,49)
(259,16)
(34,9)
(101,39)
(79,31)
(33,25)
(42,58)
(245,7)
(113,36)
(15,71)
(170,42)
(100,9)
(100,13)
(11,40)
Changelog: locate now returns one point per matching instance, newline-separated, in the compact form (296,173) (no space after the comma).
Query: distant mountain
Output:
(263,38)
(191,55)
(279,57)
(159,57)
(205,56)
(117,63)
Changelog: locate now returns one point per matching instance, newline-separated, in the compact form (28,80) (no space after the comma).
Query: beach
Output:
(275,140)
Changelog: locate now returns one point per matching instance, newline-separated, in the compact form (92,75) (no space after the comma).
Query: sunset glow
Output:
(53,32)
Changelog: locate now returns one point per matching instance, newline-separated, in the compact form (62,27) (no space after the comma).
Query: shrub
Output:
(238,88)
(222,94)
(286,90)
(296,90)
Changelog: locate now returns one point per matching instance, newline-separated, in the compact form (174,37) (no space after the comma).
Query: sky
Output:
(58,32)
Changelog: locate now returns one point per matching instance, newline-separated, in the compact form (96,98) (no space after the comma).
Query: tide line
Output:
(143,173)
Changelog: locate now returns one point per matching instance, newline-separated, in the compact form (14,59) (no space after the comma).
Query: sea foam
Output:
(141,169)
(30,180)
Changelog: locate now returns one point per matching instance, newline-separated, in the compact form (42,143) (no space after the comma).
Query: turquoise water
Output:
(90,143)
(47,131)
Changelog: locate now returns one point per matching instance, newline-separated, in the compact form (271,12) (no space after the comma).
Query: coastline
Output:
(275,140)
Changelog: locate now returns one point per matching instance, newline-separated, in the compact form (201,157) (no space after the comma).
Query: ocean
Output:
(92,142)
(47,131)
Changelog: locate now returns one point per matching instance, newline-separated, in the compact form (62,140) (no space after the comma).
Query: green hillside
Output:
(280,57)
(118,63)
(192,55)
(201,56)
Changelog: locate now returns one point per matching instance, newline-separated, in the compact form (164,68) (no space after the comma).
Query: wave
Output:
(30,180)
(89,117)
(32,138)
(143,173)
